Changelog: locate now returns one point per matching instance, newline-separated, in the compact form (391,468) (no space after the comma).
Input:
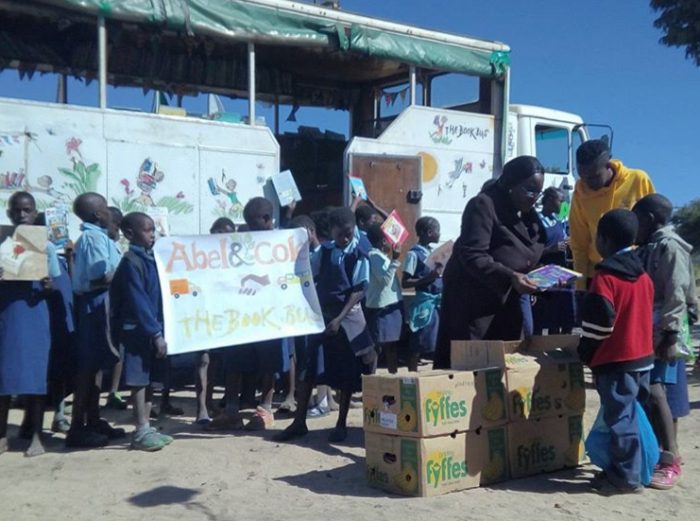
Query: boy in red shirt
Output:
(617,344)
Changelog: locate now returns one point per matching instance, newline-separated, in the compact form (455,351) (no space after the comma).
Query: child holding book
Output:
(384,304)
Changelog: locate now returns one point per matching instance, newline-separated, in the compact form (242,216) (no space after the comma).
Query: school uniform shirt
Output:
(384,288)
(555,232)
(617,316)
(96,255)
(358,279)
(627,187)
(135,295)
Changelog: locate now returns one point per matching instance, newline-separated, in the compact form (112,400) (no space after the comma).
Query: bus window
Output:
(577,138)
(552,148)
(455,91)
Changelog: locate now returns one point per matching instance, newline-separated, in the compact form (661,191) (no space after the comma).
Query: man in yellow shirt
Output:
(604,184)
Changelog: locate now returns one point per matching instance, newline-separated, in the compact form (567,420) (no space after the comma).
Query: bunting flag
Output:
(293,114)
(391,97)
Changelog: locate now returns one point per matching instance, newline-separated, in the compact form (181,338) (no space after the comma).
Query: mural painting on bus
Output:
(140,195)
(230,206)
(78,177)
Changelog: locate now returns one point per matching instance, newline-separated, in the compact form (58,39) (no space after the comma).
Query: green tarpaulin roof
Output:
(277,24)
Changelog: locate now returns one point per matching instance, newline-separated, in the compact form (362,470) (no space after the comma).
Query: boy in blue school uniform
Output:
(136,320)
(95,260)
(341,272)
(424,309)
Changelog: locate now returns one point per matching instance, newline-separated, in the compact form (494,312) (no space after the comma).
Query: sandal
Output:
(262,420)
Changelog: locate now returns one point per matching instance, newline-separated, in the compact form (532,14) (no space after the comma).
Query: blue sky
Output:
(600,59)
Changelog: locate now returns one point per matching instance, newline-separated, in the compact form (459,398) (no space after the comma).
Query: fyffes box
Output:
(433,403)
(418,467)
(545,444)
(544,384)
(435,466)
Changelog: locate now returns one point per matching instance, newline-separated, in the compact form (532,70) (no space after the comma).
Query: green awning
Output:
(246,21)
(426,53)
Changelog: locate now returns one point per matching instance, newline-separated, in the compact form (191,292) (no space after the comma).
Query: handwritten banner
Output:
(231,289)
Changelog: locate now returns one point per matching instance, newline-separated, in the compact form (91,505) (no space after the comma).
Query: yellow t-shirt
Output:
(627,187)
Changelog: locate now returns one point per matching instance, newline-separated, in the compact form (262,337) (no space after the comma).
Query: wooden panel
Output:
(388,180)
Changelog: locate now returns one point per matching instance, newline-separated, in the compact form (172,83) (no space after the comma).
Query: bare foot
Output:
(35,448)
(3,445)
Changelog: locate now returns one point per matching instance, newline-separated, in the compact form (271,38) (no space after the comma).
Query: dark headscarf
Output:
(518,170)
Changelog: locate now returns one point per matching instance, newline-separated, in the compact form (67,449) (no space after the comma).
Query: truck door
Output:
(392,182)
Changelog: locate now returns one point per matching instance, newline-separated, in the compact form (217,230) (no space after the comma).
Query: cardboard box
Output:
(544,384)
(543,375)
(434,466)
(433,403)
(545,444)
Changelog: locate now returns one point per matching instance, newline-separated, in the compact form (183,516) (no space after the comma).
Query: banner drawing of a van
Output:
(180,287)
(306,279)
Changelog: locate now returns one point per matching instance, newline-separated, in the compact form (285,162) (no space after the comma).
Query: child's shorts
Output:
(385,323)
(94,348)
(664,372)
(263,357)
(677,394)
(141,367)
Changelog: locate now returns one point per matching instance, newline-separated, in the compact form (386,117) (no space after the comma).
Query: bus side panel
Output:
(196,169)
(457,154)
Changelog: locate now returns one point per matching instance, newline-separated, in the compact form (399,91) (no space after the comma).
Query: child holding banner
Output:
(136,319)
(341,271)
(96,259)
(262,358)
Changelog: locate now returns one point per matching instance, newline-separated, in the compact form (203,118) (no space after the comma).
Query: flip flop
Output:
(288,406)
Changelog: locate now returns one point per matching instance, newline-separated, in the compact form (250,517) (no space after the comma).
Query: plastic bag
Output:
(598,444)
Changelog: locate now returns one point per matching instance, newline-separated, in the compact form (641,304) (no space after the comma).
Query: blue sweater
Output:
(135,295)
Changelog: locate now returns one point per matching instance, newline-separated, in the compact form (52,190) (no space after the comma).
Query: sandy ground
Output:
(204,476)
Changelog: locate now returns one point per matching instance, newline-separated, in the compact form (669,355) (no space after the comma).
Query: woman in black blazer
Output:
(501,240)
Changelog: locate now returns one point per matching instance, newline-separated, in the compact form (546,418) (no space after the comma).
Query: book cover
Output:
(286,188)
(57,224)
(357,185)
(552,275)
(394,229)
(440,255)
(23,252)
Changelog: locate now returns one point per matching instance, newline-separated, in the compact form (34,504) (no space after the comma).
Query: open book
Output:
(552,275)
(440,255)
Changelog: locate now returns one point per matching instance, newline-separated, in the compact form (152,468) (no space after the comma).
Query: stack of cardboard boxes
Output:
(506,409)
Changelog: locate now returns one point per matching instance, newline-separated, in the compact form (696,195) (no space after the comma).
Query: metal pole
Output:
(62,89)
(102,60)
(277,115)
(413,84)
(251,84)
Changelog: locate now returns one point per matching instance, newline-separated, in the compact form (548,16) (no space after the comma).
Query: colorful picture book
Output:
(286,188)
(23,252)
(57,223)
(440,255)
(552,275)
(394,229)
(357,185)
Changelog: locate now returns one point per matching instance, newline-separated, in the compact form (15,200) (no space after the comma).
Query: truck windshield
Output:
(552,148)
